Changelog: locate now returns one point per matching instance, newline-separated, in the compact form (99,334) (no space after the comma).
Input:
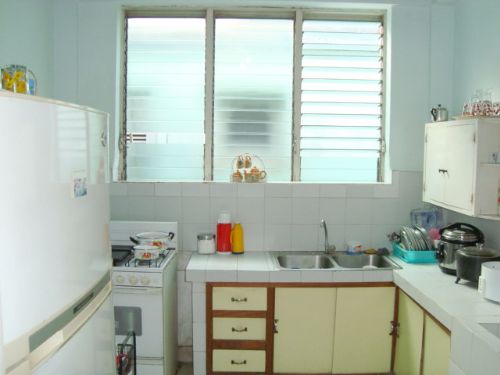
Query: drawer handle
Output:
(245,329)
(233,362)
(234,299)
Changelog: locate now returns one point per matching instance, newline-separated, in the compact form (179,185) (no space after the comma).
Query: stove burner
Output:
(121,254)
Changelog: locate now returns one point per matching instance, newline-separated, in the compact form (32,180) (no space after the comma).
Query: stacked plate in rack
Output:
(415,238)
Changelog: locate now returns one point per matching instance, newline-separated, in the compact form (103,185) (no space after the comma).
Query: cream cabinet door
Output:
(305,323)
(436,353)
(362,343)
(409,342)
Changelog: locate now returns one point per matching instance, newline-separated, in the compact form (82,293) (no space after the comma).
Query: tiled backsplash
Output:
(275,216)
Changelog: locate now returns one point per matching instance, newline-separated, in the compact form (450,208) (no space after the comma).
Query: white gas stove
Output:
(144,296)
(129,271)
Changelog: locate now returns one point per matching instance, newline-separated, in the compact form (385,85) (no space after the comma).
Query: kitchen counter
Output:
(474,322)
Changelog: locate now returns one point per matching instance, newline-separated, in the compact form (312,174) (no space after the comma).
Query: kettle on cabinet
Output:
(439,113)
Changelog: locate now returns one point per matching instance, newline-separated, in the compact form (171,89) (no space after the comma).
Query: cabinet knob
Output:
(275,326)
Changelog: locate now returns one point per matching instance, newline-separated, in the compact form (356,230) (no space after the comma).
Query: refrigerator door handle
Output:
(50,346)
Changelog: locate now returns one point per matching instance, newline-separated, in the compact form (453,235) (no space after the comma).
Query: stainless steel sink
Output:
(304,261)
(338,260)
(364,261)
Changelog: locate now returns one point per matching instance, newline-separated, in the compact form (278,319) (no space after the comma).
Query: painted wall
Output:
(26,39)
(476,66)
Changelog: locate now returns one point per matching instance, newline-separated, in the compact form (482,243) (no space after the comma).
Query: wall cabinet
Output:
(458,173)
(423,345)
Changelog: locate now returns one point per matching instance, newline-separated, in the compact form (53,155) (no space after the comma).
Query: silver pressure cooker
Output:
(454,237)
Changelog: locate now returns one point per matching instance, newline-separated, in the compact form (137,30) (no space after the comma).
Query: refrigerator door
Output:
(89,351)
(55,208)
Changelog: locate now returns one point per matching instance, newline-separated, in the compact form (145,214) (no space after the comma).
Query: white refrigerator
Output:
(56,312)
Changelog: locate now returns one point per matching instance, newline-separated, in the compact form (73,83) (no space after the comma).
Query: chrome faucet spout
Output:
(328,248)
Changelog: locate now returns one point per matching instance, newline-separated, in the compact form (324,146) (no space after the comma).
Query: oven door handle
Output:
(137,290)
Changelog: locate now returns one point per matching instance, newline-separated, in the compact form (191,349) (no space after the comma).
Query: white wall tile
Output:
(168,189)
(389,211)
(195,189)
(219,204)
(219,189)
(388,190)
(199,311)
(199,337)
(254,236)
(167,209)
(305,210)
(336,236)
(379,235)
(189,234)
(305,190)
(347,276)
(118,189)
(251,190)
(143,189)
(332,210)
(278,190)
(320,276)
(253,276)
(332,190)
(277,237)
(199,363)
(195,210)
(305,237)
(278,211)
(360,233)
(358,211)
(461,345)
(119,207)
(140,208)
(251,210)
(360,191)
(453,369)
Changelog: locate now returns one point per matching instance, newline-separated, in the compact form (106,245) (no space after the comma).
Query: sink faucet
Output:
(328,248)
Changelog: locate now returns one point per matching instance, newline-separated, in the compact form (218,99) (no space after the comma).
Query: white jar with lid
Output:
(206,243)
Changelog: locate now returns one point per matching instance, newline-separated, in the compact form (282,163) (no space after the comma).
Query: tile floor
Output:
(185,369)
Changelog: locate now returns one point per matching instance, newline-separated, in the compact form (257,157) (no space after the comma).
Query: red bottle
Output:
(224,233)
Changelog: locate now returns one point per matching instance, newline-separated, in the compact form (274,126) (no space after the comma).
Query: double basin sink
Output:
(337,260)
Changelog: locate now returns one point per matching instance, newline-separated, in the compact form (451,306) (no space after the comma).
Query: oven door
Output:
(140,310)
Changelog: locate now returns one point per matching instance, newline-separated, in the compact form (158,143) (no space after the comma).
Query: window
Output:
(303,93)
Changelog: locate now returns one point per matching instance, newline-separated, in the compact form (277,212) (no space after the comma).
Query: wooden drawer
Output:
(239,329)
(234,298)
(239,360)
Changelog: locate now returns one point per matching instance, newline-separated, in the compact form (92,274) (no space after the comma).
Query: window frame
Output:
(297,15)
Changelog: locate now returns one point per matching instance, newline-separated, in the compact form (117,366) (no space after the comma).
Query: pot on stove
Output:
(158,239)
(453,238)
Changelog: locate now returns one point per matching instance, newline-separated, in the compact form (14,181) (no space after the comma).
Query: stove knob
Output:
(120,279)
(133,280)
(145,280)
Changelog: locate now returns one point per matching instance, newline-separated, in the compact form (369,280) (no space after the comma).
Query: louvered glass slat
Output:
(341,101)
(253,94)
(165,98)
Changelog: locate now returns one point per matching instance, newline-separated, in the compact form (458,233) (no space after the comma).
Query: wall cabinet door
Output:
(305,324)
(436,351)
(362,343)
(409,342)
(449,164)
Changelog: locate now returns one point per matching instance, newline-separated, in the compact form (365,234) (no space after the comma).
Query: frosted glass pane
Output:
(165,98)
(341,101)
(253,84)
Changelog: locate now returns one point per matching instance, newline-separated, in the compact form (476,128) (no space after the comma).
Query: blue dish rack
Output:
(414,256)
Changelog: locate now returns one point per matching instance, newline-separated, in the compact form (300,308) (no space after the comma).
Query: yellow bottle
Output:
(237,240)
